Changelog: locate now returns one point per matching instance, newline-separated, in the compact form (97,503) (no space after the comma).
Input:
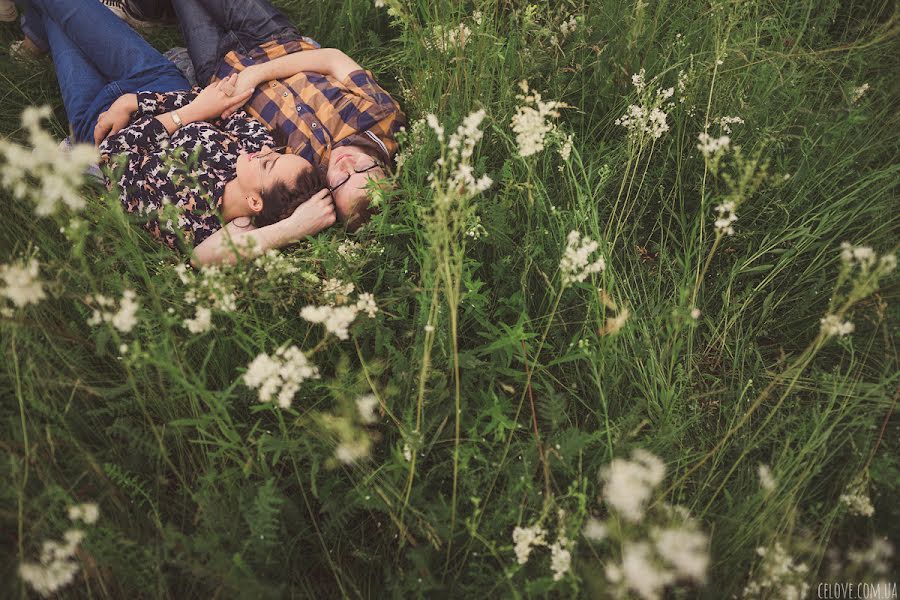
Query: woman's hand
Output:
(247,79)
(115,118)
(314,215)
(213,102)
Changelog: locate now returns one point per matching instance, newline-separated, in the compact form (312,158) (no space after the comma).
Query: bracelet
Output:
(176,118)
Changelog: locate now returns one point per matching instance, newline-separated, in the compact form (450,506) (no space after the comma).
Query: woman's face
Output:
(259,171)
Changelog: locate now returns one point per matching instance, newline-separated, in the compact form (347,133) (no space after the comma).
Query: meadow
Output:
(633,333)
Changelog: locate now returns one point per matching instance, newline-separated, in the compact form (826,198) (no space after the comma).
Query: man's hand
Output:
(118,116)
(314,215)
(213,101)
(247,79)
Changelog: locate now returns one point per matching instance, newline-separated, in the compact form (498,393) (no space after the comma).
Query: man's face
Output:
(349,171)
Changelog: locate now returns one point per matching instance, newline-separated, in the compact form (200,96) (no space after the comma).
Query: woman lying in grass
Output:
(173,143)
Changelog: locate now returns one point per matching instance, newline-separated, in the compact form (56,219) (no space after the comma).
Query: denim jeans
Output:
(97,58)
(213,28)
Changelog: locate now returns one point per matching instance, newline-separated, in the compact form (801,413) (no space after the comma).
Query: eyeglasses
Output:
(259,155)
(375,163)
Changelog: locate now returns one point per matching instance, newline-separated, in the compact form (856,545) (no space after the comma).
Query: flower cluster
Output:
(279,376)
(461,144)
(779,576)
(857,501)
(20,283)
(57,566)
(47,174)
(726,216)
(647,118)
(712,147)
(866,258)
(576,263)
(211,287)
(858,92)
(121,315)
(833,325)
(276,265)
(616,323)
(673,554)
(525,539)
(339,313)
(531,123)
(726,122)
(766,480)
(201,322)
(630,483)
(448,39)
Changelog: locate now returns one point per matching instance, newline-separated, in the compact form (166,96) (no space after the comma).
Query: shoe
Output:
(8,11)
(119,8)
(25,50)
(145,12)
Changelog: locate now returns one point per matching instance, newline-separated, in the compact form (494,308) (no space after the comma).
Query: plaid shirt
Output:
(312,113)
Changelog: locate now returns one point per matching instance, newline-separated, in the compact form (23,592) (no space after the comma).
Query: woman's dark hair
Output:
(280,200)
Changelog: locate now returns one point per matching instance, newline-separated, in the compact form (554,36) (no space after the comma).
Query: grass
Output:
(515,401)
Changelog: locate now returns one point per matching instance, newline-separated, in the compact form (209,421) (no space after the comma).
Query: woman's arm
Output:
(328,61)
(239,237)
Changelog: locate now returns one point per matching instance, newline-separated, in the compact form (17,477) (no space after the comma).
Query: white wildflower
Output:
(365,302)
(407,453)
(278,377)
(576,264)
(685,549)
(349,452)
(778,576)
(525,538)
(726,122)
(337,319)
(123,317)
(832,325)
(49,174)
(695,313)
(629,484)
(726,216)
(337,291)
(858,502)
(616,323)
(20,283)
(858,92)
(641,573)
(560,558)
(766,479)
(366,406)
(638,81)
(531,123)
(710,146)
(565,150)
(201,322)
(447,39)
(595,529)
(88,512)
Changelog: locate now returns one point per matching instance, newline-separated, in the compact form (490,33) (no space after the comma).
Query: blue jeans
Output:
(97,58)
(213,28)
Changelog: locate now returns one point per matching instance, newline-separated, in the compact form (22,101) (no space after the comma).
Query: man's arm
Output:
(328,61)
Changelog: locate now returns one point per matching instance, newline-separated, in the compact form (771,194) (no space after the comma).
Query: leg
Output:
(202,34)
(33,27)
(253,22)
(115,49)
(89,78)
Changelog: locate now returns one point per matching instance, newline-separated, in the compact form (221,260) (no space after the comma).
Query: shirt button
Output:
(274,84)
(285,94)
(314,124)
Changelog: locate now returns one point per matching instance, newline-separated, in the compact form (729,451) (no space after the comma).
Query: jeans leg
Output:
(33,26)
(114,48)
(203,36)
(253,22)
(79,80)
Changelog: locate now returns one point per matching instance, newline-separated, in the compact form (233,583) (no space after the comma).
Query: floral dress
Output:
(188,169)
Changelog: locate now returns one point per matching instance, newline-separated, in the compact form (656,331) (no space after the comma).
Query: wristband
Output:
(176,118)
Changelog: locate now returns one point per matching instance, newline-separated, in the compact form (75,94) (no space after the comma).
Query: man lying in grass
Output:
(317,101)
(233,170)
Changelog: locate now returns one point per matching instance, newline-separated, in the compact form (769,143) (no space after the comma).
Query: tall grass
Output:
(498,383)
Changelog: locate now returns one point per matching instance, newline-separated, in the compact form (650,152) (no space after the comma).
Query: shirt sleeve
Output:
(386,118)
(251,135)
(157,103)
(145,135)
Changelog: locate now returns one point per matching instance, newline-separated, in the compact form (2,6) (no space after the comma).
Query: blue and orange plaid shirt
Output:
(312,113)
